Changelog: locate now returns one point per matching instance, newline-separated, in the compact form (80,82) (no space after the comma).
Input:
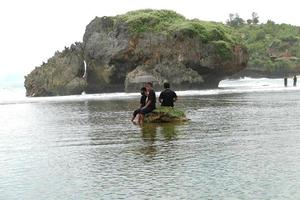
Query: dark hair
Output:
(149,83)
(166,85)
(143,89)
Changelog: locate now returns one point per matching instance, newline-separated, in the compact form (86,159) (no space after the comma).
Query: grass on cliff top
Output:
(171,23)
(167,21)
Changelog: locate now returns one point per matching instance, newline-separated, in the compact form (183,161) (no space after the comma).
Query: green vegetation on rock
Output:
(150,20)
(223,49)
(166,114)
(172,23)
(274,48)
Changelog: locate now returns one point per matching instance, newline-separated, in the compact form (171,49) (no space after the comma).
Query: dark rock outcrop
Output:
(61,75)
(120,51)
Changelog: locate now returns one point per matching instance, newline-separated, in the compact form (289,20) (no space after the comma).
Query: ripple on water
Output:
(236,146)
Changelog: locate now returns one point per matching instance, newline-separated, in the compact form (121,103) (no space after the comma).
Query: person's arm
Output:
(147,104)
(143,101)
(175,97)
(150,99)
(160,98)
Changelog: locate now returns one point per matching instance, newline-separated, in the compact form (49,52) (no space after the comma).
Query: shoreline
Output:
(229,86)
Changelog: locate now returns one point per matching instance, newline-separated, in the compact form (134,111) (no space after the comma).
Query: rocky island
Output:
(119,53)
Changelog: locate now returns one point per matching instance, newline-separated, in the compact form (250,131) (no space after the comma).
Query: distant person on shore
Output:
(285,81)
(168,96)
(150,103)
(142,102)
(295,81)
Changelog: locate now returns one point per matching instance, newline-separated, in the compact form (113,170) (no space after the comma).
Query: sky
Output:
(32,30)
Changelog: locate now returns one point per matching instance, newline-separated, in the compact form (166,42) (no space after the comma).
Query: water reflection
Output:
(149,132)
(234,146)
(157,135)
(167,131)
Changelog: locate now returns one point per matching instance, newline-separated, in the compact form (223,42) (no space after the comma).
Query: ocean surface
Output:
(242,142)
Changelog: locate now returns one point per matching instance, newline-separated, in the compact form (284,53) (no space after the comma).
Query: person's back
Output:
(285,81)
(152,99)
(168,96)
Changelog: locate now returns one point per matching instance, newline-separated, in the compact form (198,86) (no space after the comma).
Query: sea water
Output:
(242,142)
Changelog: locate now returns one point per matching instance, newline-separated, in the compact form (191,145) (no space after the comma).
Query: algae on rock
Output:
(165,114)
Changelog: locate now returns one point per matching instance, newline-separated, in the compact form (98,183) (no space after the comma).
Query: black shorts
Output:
(146,111)
(137,111)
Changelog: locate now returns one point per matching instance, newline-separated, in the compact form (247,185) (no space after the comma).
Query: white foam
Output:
(85,70)
(246,85)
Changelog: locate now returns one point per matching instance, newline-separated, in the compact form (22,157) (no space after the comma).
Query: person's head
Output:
(166,85)
(143,91)
(149,86)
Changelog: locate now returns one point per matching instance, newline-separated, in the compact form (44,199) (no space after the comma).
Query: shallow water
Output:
(243,144)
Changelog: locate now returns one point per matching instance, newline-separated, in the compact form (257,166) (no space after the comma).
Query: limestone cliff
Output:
(123,51)
(61,75)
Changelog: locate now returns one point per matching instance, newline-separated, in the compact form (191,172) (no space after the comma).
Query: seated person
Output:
(142,102)
(150,103)
(168,96)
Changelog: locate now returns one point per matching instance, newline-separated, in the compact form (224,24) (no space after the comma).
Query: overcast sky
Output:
(32,30)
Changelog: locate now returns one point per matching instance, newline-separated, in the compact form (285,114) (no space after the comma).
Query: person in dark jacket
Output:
(168,96)
(285,82)
(150,103)
(295,81)
(142,102)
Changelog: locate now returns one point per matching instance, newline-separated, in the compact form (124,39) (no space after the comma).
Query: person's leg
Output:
(134,114)
(143,112)
(138,117)
(141,118)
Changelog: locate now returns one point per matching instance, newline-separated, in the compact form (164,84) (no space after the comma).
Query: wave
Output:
(245,85)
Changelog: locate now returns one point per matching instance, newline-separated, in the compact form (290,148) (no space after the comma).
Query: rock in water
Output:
(61,75)
(165,114)
(121,52)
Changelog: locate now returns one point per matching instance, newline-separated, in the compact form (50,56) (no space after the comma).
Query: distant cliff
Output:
(123,51)
(274,49)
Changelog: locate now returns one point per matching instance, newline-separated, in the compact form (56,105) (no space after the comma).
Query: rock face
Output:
(124,51)
(61,75)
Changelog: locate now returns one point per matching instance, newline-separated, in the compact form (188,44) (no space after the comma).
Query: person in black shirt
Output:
(150,103)
(285,81)
(168,96)
(142,102)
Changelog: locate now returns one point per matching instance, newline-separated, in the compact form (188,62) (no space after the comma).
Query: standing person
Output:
(285,81)
(168,96)
(142,102)
(150,103)
(295,81)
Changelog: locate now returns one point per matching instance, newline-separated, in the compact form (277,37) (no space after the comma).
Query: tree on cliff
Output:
(235,20)
(255,18)
(273,48)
